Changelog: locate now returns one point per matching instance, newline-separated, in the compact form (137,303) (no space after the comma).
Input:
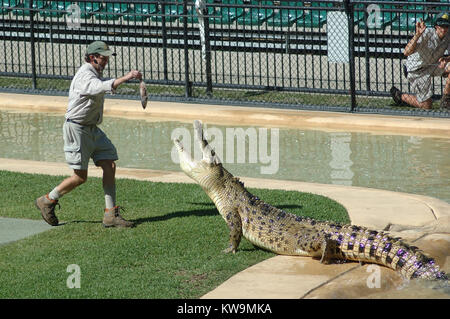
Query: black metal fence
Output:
(327,55)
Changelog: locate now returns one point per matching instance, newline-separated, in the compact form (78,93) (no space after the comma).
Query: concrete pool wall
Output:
(218,114)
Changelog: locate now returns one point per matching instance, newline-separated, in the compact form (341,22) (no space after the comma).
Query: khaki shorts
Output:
(84,142)
(421,81)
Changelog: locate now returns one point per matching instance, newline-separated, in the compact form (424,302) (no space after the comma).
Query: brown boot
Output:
(397,96)
(112,218)
(47,208)
(445,101)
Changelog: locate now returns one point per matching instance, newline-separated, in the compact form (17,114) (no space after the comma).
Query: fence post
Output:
(187,84)
(351,48)
(33,50)
(164,40)
(208,55)
(366,46)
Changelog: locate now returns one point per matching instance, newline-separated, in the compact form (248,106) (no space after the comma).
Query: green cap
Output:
(99,47)
(443,20)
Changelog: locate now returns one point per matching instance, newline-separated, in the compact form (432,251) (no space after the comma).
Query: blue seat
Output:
(112,11)
(314,18)
(407,21)
(7,5)
(55,9)
(285,17)
(227,15)
(88,8)
(141,11)
(256,16)
(173,9)
(192,13)
(21,9)
(385,18)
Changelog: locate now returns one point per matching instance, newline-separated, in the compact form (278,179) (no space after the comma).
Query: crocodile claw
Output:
(229,250)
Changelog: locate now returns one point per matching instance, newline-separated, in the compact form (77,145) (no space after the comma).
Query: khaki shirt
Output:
(87,96)
(429,49)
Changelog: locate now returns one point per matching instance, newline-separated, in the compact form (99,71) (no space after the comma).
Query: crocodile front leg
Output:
(234,223)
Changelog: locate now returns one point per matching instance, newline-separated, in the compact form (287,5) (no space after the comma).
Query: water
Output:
(411,164)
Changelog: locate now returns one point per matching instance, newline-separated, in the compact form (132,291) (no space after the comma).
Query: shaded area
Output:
(12,229)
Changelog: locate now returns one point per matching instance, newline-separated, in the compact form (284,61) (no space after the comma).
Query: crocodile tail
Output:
(362,244)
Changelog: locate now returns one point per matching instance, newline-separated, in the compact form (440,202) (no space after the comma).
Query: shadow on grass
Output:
(209,212)
(286,206)
(196,212)
(178,214)
(79,222)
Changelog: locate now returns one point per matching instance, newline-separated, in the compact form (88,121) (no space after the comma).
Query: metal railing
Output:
(325,55)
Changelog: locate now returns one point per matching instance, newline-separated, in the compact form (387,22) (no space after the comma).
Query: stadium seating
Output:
(89,8)
(55,9)
(384,18)
(256,16)
(141,11)
(314,18)
(171,10)
(227,15)
(112,11)
(7,5)
(407,21)
(192,13)
(300,13)
(20,9)
(285,17)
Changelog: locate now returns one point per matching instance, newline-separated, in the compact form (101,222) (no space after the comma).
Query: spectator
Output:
(425,60)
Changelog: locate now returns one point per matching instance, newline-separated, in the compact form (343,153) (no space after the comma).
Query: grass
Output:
(174,252)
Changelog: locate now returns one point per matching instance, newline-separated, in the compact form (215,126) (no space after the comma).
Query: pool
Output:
(412,164)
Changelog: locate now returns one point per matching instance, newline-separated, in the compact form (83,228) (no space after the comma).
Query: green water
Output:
(409,164)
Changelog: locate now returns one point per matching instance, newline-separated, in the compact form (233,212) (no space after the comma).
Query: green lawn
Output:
(174,252)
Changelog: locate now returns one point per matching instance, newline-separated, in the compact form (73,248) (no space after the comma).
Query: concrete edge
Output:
(232,115)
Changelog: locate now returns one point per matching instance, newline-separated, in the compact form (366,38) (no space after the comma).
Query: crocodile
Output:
(284,233)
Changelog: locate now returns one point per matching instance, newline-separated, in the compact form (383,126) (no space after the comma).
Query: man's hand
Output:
(134,74)
(420,27)
(411,46)
(444,63)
